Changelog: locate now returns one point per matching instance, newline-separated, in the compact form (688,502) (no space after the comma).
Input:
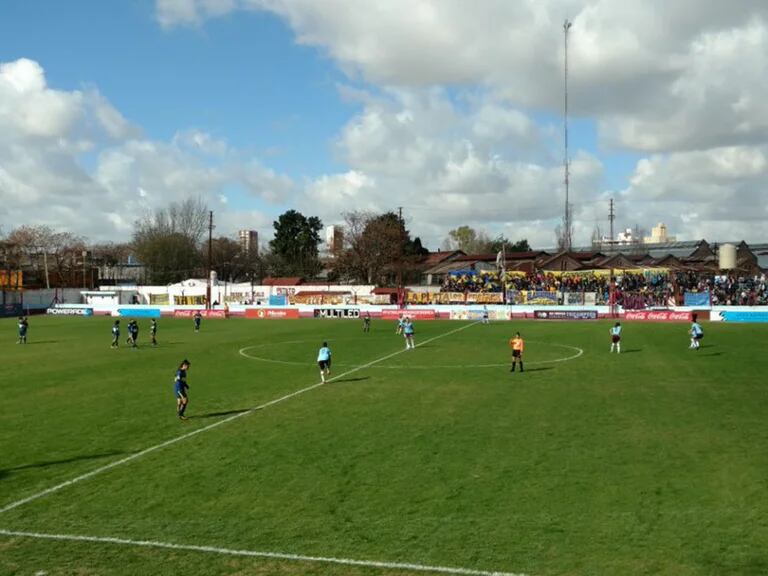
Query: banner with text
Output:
(658,316)
(410,313)
(271,313)
(565,314)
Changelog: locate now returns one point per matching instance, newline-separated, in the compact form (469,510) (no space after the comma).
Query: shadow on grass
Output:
(631,351)
(215,414)
(42,342)
(358,379)
(47,463)
(538,369)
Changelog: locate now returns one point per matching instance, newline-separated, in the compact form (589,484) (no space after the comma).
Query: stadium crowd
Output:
(632,289)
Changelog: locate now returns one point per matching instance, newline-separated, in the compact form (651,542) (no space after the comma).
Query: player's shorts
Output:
(516,353)
(615,339)
(323,364)
(180,391)
(698,336)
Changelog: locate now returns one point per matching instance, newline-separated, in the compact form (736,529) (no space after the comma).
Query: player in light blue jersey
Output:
(616,337)
(697,333)
(324,361)
(400,325)
(408,332)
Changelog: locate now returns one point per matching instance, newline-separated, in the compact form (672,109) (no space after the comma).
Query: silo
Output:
(727,257)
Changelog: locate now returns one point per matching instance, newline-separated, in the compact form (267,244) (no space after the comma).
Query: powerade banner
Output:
(337,313)
(743,316)
(139,312)
(565,314)
(536,297)
(278,300)
(412,313)
(272,313)
(696,299)
(70,311)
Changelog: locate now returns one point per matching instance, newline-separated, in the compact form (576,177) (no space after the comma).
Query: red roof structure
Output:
(290,281)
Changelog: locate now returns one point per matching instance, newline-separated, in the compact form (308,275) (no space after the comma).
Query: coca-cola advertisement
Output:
(658,316)
(413,313)
(203,313)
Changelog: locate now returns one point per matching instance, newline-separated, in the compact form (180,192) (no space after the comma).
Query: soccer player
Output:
(153,332)
(517,346)
(400,325)
(408,333)
(181,387)
(616,337)
(324,361)
(697,333)
(198,318)
(23,327)
(367,322)
(485,315)
(115,334)
(134,329)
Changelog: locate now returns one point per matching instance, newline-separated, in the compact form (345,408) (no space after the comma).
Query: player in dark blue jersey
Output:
(198,318)
(181,387)
(153,332)
(23,327)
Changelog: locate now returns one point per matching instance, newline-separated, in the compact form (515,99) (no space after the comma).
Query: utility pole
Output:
(210,261)
(611,218)
(566,161)
(401,234)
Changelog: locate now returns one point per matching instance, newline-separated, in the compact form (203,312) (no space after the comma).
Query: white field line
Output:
(256,554)
(146,451)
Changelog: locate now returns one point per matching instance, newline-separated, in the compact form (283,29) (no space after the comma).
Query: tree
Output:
(167,241)
(377,248)
(294,247)
(500,243)
(231,262)
(467,239)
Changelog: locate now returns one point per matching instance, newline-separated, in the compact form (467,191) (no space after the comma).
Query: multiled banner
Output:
(337,313)
(565,314)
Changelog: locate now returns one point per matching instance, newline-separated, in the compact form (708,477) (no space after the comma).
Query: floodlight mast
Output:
(567,232)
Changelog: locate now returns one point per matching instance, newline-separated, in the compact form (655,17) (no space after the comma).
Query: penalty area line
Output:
(65,484)
(256,554)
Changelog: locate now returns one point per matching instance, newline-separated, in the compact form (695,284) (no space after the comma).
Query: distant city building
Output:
(334,238)
(249,241)
(659,235)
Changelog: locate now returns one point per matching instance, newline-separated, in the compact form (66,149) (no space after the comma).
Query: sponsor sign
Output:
(139,312)
(7,310)
(565,314)
(337,313)
(271,313)
(279,300)
(658,316)
(415,314)
(743,316)
(70,311)
(203,313)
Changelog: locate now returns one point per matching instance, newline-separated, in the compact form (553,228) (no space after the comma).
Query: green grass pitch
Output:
(654,461)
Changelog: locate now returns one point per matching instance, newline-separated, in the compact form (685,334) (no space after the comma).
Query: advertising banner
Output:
(658,316)
(203,313)
(477,314)
(70,311)
(7,310)
(590,298)
(565,314)
(411,313)
(139,312)
(272,313)
(696,299)
(743,316)
(337,313)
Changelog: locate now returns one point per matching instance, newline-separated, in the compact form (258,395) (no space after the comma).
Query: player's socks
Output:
(521,366)
(618,348)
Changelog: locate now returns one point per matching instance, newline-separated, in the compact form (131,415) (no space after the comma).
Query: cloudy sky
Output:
(450,109)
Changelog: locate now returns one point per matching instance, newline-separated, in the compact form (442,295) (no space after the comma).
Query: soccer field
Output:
(654,461)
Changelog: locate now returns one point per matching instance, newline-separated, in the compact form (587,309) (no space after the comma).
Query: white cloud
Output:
(43,178)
